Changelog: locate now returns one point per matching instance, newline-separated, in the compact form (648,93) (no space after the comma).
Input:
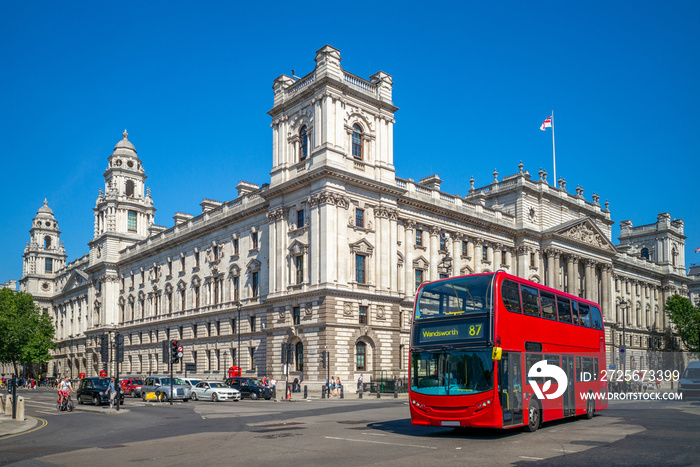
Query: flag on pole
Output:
(547,123)
(697,250)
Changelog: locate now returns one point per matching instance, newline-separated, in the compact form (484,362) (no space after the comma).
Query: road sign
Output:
(623,349)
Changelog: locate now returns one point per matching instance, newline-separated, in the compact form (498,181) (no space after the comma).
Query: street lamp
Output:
(624,305)
(238,350)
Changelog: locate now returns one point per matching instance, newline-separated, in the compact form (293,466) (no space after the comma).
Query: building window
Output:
(235,246)
(47,242)
(217,327)
(296,315)
(170,302)
(182,263)
(464,248)
(253,327)
(251,351)
(170,268)
(182,300)
(419,278)
(48,265)
(484,253)
(299,356)
(303,144)
(129,188)
(196,259)
(236,294)
(645,253)
(443,276)
(360,276)
(363,315)
(443,243)
(360,353)
(255,284)
(131,221)
(299,264)
(532,260)
(196,297)
(194,331)
(254,240)
(360,218)
(357,142)
(419,237)
(300,219)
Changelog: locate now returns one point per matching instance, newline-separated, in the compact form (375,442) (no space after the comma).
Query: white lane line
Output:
(381,442)
(532,458)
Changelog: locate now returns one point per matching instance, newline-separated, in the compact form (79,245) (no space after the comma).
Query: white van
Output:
(689,384)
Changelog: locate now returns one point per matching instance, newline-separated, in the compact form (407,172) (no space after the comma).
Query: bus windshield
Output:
(453,373)
(454,297)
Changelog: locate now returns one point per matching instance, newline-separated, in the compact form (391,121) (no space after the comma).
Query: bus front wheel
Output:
(534,416)
(590,409)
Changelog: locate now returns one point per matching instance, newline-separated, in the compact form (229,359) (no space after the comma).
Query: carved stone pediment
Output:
(586,232)
(362,247)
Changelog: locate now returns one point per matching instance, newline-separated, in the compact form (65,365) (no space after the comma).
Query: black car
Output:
(250,387)
(94,390)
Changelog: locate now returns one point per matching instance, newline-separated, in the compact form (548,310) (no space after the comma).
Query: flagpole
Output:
(554,156)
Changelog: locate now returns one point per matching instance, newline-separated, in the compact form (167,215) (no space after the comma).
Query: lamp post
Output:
(238,350)
(624,305)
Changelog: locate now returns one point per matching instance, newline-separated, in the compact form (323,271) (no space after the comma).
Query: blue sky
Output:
(192,82)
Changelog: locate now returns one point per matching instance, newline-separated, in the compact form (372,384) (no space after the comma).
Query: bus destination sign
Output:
(456,331)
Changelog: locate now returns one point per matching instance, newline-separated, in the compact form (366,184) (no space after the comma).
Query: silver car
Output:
(160,385)
(214,391)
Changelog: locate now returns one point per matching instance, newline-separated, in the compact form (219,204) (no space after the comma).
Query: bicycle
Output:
(64,405)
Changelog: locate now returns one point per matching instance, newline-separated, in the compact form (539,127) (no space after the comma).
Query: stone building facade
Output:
(328,254)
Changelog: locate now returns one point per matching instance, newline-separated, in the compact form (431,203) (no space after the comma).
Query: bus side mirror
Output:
(496,353)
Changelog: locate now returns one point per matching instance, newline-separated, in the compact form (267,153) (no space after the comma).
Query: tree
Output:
(26,334)
(686,317)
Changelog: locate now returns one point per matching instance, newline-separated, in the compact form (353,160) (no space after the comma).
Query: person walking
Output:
(112,393)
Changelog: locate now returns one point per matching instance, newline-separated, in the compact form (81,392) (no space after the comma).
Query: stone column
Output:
(314,239)
(400,270)
(409,225)
(497,259)
(523,261)
(643,299)
(605,301)
(509,261)
(557,272)
(588,293)
(470,254)
(456,253)
(570,276)
(550,268)
(434,255)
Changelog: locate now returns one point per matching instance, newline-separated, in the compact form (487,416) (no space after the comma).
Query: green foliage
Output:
(686,317)
(26,334)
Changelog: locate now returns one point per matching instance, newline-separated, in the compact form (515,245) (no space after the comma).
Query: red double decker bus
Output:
(497,351)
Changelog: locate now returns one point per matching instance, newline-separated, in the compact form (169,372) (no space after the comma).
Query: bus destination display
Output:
(457,331)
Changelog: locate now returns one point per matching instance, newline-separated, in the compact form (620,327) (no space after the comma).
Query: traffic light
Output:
(284,353)
(104,347)
(120,348)
(166,351)
(175,351)
(323,359)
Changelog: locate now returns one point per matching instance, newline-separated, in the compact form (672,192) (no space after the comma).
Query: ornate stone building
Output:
(328,255)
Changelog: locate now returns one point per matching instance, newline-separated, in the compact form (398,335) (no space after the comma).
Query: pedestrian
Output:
(112,393)
(337,386)
(331,386)
(360,380)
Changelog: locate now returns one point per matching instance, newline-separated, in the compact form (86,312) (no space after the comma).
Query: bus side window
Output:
(511,296)
(596,320)
(584,315)
(564,309)
(595,368)
(548,310)
(574,311)
(531,302)
(531,359)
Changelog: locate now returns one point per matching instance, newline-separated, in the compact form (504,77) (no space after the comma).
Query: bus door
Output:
(567,361)
(510,388)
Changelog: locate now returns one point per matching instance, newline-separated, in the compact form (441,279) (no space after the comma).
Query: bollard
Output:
(20,409)
(359,392)
(14,401)
(8,405)
(342,395)
(396,392)
(379,392)
(306,393)
(323,392)
(2,403)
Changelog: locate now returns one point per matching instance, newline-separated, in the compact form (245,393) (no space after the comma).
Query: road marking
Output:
(532,458)
(381,442)
(43,424)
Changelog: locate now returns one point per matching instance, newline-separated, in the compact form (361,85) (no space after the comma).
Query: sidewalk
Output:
(11,427)
(351,396)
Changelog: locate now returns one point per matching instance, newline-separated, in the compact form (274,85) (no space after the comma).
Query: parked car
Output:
(250,387)
(131,387)
(191,382)
(689,384)
(160,385)
(215,391)
(94,390)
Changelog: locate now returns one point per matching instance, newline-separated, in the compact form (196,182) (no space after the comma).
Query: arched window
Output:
(303,144)
(645,253)
(299,356)
(360,354)
(47,242)
(357,142)
(129,188)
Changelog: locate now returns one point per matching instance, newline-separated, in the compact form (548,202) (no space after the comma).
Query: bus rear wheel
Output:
(534,416)
(590,409)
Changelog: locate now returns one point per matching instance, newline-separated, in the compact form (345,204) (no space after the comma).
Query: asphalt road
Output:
(342,432)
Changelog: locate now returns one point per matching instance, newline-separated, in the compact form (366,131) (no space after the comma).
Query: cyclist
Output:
(64,390)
